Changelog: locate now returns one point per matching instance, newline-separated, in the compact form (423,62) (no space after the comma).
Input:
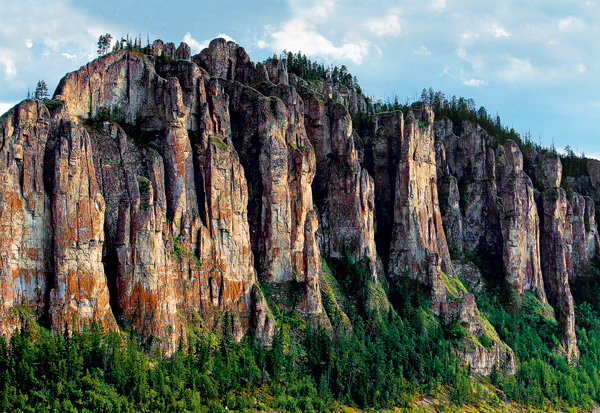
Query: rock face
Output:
(499,216)
(165,186)
(80,291)
(419,247)
(472,161)
(344,190)
(557,247)
(520,226)
(585,233)
(448,192)
(418,241)
(25,215)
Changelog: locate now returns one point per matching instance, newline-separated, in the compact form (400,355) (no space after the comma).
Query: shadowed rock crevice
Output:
(110,260)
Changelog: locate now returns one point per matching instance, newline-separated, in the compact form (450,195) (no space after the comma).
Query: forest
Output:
(383,362)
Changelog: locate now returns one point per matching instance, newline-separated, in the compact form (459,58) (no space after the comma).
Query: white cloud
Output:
(10,69)
(197,46)
(581,68)
(57,29)
(499,31)
(224,36)
(422,51)
(316,11)
(4,107)
(297,35)
(568,23)
(194,44)
(520,70)
(438,5)
(593,155)
(387,26)
(474,82)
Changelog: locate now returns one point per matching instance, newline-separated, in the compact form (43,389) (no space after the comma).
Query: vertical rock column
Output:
(520,226)
(556,243)
(25,215)
(80,294)
(418,243)
(585,234)
(345,190)
(288,246)
(448,192)
(137,253)
(226,279)
(473,162)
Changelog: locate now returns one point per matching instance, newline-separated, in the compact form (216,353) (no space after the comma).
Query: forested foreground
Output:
(385,362)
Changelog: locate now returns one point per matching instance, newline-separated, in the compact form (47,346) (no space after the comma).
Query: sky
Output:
(536,63)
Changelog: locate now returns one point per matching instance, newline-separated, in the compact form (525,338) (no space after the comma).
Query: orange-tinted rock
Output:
(557,265)
(80,293)
(419,246)
(25,215)
(520,226)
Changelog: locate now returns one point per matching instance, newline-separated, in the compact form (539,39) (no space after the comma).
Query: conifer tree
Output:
(104,43)
(41,90)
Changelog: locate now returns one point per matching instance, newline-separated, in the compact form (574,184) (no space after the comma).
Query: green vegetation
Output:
(115,114)
(180,252)
(143,184)
(41,90)
(218,142)
(367,361)
(54,103)
(300,65)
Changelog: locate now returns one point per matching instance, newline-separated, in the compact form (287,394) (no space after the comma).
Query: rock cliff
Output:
(163,191)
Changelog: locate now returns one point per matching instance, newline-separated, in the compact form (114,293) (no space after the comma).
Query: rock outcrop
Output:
(344,190)
(520,225)
(25,216)
(163,191)
(472,161)
(79,294)
(557,250)
(419,246)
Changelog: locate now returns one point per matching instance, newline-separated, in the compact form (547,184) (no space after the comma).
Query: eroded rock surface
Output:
(166,185)
(520,225)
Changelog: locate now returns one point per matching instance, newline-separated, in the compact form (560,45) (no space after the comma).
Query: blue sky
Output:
(534,62)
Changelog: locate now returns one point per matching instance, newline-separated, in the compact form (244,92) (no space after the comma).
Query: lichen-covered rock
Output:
(472,161)
(229,61)
(279,161)
(520,226)
(25,215)
(557,265)
(80,292)
(165,185)
(419,246)
(277,71)
(177,217)
(585,233)
(343,189)
(550,170)
(591,228)
(184,52)
(448,191)
(382,153)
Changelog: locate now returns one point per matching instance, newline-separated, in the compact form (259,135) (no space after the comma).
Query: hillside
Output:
(366,254)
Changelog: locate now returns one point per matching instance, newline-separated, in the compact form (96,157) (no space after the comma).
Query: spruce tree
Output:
(41,90)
